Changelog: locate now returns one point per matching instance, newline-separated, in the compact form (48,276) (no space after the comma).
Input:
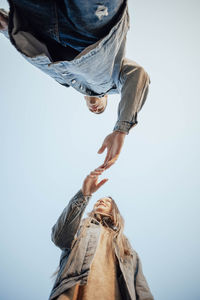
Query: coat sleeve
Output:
(141,286)
(66,227)
(134,84)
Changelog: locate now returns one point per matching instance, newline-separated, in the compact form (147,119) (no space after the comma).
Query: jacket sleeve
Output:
(134,83)
(141,286)
(64,230)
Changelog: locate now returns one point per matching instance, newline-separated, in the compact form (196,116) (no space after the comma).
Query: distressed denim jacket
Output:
(75,261)
(98,70)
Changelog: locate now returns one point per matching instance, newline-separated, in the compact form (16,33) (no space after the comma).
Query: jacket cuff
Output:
(80,197)
(124,126)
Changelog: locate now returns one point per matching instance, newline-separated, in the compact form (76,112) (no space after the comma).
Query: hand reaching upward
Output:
(91,184)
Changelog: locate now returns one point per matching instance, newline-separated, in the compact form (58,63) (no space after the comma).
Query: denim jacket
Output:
(98,70)
(75,261)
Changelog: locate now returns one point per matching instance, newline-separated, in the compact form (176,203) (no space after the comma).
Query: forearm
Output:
(64,230)
(134,89)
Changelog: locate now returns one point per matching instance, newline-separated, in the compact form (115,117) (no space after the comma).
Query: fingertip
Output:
(100,150)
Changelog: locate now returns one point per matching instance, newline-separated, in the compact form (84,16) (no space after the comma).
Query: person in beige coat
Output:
(97,260)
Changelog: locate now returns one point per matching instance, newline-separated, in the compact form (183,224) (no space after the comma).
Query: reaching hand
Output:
(90,184)
(113,142)
(3,21)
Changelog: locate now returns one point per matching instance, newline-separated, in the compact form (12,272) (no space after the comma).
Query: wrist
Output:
(120,133)
(86,193)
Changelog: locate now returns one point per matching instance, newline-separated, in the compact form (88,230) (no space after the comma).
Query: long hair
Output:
(114,223)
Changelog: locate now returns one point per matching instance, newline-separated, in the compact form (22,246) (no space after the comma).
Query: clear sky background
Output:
(49,142)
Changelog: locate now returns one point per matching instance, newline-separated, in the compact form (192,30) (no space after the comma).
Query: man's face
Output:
(95,104)
(103,206)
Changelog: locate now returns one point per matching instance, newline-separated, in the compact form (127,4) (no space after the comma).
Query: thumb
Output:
(103,147)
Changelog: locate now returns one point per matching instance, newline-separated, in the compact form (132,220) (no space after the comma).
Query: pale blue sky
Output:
(49,142)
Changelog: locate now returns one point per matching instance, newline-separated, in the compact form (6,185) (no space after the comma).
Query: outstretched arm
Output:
(134,83)
(66,227)
(64,230)
(134,89)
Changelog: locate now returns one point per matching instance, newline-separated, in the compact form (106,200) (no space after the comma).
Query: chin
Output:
(101,211)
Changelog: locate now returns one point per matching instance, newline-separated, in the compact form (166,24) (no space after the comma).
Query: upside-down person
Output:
(81,43)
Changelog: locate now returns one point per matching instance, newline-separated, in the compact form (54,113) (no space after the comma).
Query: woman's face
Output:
(103,206)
